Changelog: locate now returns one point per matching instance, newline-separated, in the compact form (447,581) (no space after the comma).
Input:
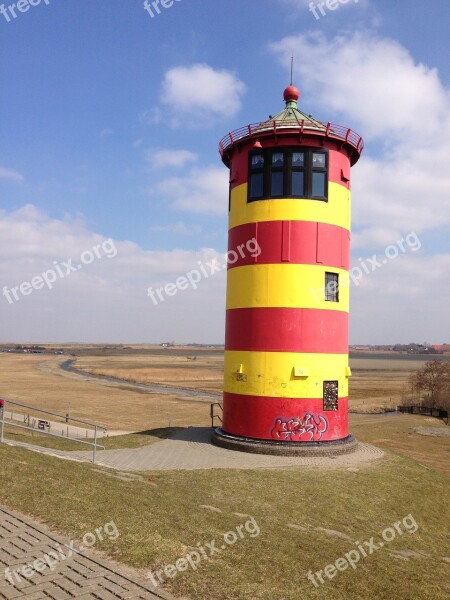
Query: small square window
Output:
(330,395)
(332,287)
(319,160)
(258,161)
(277,159)
(298,159)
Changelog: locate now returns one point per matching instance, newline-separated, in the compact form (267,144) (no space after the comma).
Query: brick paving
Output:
(192,449)
(78,576)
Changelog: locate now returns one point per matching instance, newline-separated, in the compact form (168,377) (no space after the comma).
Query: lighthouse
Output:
(286,366)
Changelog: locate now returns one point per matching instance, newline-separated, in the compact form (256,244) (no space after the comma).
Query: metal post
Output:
(95,445)
(2,424)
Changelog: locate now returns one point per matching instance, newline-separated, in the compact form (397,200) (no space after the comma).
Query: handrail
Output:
(213,413)
(66,418)
(48,412)
(323,129)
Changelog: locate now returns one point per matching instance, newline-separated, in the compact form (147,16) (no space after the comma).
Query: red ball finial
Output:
(291,93)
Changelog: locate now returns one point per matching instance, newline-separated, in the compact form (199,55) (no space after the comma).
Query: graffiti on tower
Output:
(309,428)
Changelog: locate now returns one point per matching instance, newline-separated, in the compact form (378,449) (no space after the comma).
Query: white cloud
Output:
(106,300)
(400,301)
(200,191)
(349,76)
(201,93)
(400,185)
(160,159)
(373,85)
(179,228)
(6,173)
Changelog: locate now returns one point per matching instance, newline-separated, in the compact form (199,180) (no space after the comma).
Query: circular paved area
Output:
(192,449)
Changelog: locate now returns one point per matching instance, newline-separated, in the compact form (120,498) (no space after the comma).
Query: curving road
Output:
(67,365)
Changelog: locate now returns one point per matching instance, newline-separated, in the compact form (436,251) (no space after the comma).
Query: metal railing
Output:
(213,413)
(95,427)
(323,129)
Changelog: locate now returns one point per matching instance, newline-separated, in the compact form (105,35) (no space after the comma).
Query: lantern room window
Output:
(256,187)
(288,173)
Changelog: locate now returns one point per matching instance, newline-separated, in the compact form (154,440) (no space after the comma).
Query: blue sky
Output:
(110,122)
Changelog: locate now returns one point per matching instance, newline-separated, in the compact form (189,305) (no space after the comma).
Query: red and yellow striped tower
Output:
(286,347)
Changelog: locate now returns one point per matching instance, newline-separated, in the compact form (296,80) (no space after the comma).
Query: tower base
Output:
(324,449)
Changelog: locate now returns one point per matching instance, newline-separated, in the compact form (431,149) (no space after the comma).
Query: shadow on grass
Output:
(199,435)
(139,439)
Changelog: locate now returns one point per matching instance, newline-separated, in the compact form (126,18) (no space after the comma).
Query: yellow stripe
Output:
(335,212)
(284,286)
(272,374)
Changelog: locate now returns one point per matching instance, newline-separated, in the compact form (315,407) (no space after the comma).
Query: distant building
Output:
(441,348)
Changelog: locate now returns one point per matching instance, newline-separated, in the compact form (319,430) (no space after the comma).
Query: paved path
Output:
(33,416)
(192,449)
(79,576)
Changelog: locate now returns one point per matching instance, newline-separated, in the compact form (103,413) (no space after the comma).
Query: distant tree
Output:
(433,380)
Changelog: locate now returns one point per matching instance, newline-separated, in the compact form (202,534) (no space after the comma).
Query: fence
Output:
(414,409)
(44,426)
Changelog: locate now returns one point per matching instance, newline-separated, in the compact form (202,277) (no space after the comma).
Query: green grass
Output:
(397,434)
(132,440)
(160,523)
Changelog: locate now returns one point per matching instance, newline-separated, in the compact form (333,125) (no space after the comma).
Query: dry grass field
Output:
(308,517)
(38,381)
(380,382)
(376,384)
(200,371)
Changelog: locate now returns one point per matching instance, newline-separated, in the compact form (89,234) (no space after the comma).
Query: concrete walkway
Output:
(192,449)
(77,575)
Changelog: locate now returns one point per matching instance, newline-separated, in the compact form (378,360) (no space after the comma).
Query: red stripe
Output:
(307,330)
(256,416)
(297,242)
(339,163)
